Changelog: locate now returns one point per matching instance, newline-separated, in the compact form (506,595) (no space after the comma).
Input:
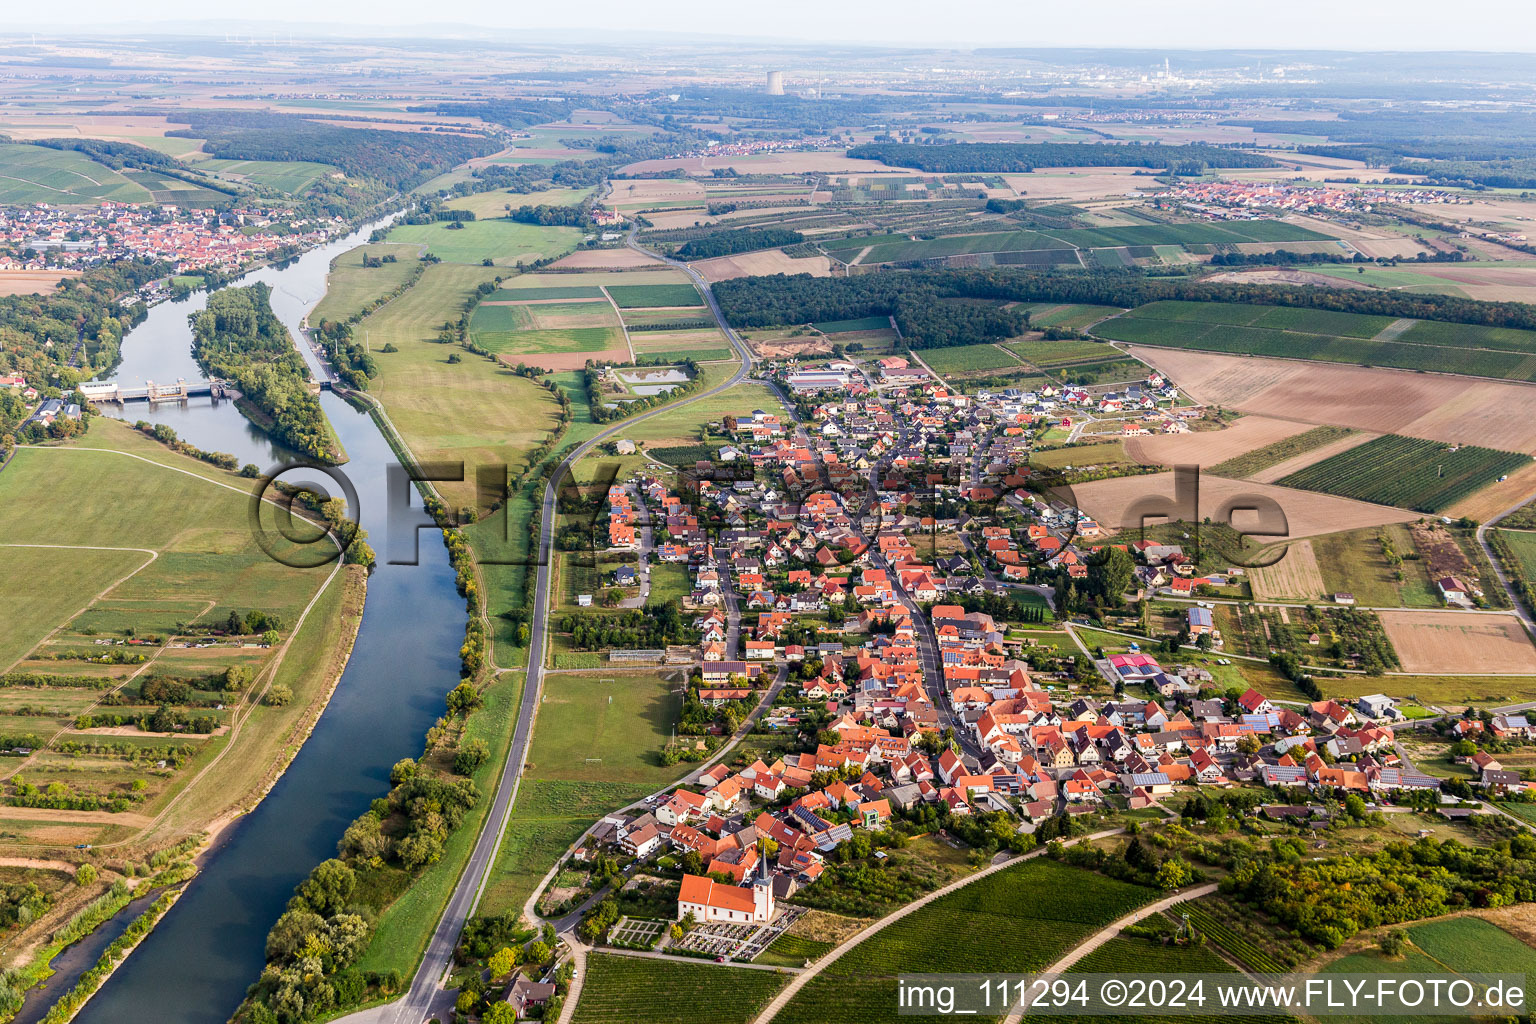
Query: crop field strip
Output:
(1273,454)
(1328,336)
(1046,354)
(900,249)
(1024,918)
(967,358)
(645,296)
(1407,472)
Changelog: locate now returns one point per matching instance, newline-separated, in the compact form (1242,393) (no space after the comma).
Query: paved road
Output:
(1498,570)
(426,997)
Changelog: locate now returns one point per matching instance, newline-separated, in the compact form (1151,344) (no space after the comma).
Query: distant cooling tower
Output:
(775,83)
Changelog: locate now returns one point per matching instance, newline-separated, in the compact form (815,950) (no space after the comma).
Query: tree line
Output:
(783,299)
(726,243)
(1023,157)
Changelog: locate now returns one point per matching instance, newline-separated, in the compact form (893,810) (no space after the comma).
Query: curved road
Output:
(426,997)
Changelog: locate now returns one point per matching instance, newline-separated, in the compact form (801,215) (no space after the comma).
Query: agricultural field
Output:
(1075,317)
(475,411)
(1407,472)
(37,174)
(154,559)
(550,333)
(1288,447)
(671,992)
(645,296)
(1016,920)
(700,345)
(1437,406)
(1328,336)
(597,728)
(1295,577)
(1358,562)
(495,204)
(1307,514)
(1079,455)
(350,286)
(290,176)
(1244,935)
(1452,641)
(966,358)
(1205,448)
(505,243)
(1046,354)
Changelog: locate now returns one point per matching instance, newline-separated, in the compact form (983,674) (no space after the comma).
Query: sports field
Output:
(594,727)
(504,242)
(36,174)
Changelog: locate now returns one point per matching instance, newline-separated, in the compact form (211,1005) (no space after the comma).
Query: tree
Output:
(328,887)
(1110,575)
(471,755)
(499,1013)
(85,874)
(463,699)
(538,953)
(1394,943)
(1173,874)
(278,695)
(1248,744)
(502,962)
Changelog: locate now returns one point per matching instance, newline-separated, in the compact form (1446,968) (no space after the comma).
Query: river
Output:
(195,966)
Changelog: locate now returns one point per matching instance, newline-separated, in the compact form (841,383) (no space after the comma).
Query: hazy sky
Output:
(1321,24)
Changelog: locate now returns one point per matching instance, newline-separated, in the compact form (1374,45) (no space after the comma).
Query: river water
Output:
(195,966)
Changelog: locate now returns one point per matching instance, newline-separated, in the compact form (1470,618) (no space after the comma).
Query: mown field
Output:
(623,989)
(1074,317)
(504,242)
(351,286)
(1329,336)
(1014,921)
(1407,472)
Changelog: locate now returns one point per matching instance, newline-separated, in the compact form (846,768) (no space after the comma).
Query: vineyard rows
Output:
(624,989)
(1407,472)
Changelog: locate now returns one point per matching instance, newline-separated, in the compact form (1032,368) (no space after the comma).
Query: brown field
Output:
(753,264)
(32,282)
(1209,447)
(1371,241)
(1489,501)
(567,360)
(1295,462)
(1307,514)
(770,163)
(1457,410)
(1459,642)
(606,259)
(1294,577)
(1495,283)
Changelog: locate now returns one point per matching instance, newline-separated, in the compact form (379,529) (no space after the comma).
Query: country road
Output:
(1498,570)
(426,997)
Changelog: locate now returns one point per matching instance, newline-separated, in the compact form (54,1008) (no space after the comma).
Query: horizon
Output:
(1488,26)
